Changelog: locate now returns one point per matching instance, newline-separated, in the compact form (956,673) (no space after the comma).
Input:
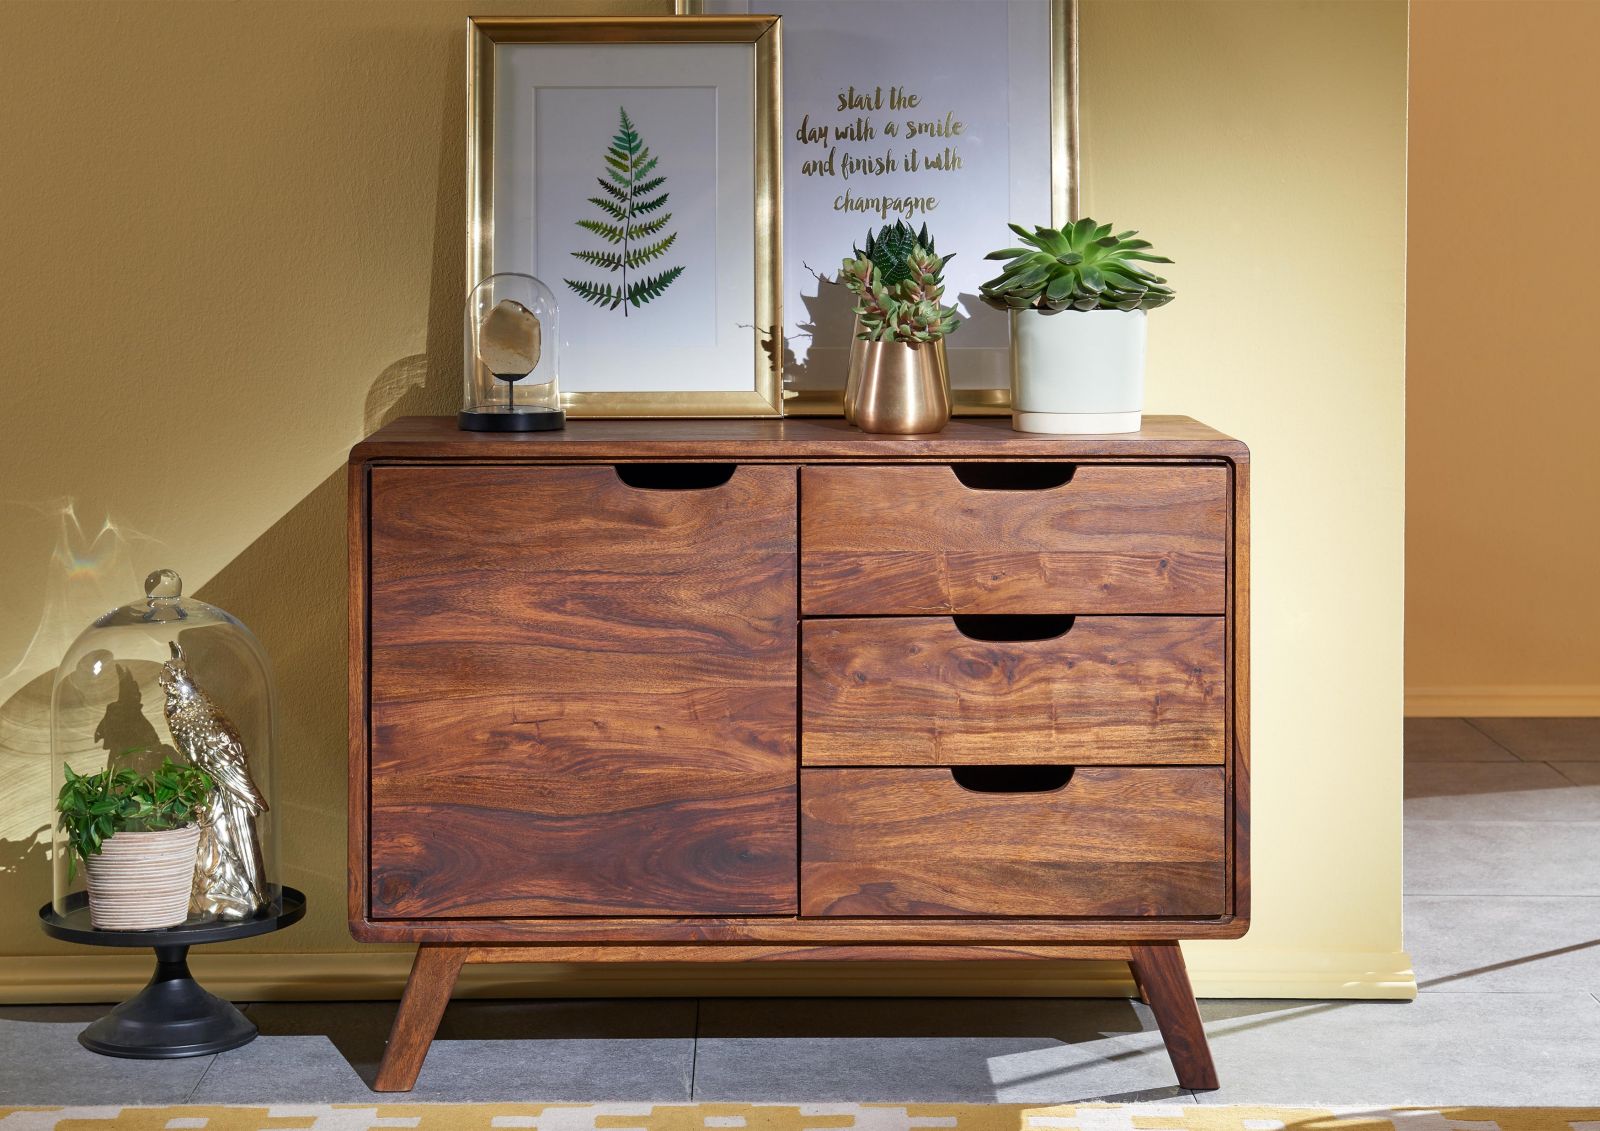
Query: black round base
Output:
(172,1017)
(522,420)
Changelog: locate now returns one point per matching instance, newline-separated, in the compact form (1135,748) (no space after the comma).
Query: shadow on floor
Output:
(359,1029)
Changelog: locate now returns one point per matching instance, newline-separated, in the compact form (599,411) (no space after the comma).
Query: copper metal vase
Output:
(904,389)
(852,380)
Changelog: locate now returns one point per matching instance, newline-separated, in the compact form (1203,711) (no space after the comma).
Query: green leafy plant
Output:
(1079,267)
(95,807)
(898,282)
(631,195)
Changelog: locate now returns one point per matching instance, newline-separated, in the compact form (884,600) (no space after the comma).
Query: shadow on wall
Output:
(90,569)
(429,383)
(288,586)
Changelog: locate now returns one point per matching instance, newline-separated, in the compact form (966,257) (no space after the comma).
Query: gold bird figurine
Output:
(228,882)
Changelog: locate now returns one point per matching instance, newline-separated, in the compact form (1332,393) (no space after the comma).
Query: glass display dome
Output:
(173,678)
(512,343)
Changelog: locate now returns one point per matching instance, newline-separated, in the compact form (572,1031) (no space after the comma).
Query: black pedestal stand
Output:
(173,1016)
(498,418)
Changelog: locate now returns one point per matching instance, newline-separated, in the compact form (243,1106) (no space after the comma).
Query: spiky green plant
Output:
(889,251)
(628,228)
(908,309)
(1079,267)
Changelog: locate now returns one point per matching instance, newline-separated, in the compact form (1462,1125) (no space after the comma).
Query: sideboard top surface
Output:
(799,438)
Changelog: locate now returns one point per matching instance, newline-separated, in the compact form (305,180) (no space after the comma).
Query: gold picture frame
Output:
(486,35)
(1064,196)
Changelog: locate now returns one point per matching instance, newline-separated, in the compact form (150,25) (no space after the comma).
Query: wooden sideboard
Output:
(776,690)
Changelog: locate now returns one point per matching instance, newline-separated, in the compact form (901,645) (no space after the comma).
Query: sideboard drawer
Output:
(1014,538)
(1112,841)
(908,691)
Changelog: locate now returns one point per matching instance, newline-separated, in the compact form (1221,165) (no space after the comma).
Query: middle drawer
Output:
(934,691)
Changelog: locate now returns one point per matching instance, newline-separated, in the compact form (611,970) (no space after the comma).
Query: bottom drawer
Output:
(1098,841)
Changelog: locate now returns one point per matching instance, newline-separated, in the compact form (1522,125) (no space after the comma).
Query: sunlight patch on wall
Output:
(90,571)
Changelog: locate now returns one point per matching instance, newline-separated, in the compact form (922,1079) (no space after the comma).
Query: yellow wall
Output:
(234,245)
(1262,146)
(1503,613)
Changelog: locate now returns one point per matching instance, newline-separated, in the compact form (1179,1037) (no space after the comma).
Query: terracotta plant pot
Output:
(141,881)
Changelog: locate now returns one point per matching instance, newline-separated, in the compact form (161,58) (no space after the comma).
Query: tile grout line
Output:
(204,1076)
(694,1050)
(198,1084)
(1556,766)
(1494,740)
(1468,988)
(1503,894)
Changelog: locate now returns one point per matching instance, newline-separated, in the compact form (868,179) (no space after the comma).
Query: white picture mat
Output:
(617,362)
(989,62)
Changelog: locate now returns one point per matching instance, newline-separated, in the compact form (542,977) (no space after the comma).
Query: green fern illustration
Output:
(628,226)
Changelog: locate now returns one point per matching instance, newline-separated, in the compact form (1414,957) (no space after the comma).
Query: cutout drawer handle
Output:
(1014,476)
(675,476)
(1010,627)
(1011,779)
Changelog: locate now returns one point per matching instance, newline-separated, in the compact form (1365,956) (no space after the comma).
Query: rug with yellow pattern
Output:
(795,1117)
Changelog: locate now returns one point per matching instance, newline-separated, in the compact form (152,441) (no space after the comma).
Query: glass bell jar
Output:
(168,679)
(512,346)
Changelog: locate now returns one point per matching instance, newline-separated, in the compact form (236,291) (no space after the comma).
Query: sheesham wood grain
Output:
(794,440)
(717,851)
(732,937)
(582,694)
(733,930)
(735,933)
(357,770)
(1239,686)
(1114,841)
(916,691)
(779,953)
(433,977)
(910,539)
(1163,981)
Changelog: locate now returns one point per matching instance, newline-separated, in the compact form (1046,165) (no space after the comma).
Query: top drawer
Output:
(1014,538)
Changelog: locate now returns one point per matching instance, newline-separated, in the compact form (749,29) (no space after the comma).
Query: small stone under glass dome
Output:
(170,677)
(511,357)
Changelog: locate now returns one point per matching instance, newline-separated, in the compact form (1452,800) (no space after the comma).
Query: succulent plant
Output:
(890,250)
(898,288)
(1079,267)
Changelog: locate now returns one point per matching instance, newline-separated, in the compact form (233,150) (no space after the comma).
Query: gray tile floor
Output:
(1502,919)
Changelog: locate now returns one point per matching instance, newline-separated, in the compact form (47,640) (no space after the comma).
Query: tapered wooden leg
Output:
(1138,986)
(1164,980)
(433,976)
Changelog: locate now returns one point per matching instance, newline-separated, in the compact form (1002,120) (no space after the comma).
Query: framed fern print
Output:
(631,226)
(632,164)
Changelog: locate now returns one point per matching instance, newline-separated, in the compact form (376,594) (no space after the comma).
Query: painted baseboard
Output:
(380,974)
(1509,701)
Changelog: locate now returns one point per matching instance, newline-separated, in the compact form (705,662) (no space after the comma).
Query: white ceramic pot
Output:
(1077,371)
(140,881)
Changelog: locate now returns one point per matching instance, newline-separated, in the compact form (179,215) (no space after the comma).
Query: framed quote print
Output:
(957,114)
(633,165)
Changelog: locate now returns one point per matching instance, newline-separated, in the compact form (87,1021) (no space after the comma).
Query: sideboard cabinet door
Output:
(582,692)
